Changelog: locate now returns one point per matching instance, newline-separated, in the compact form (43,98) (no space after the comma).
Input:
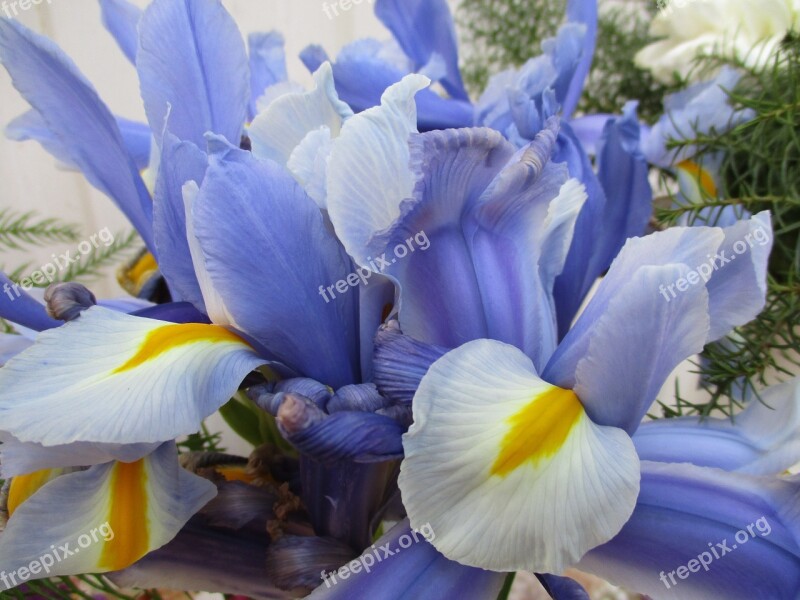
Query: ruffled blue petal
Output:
(193,66)
(121,18)
(19,307)
(269,253)
(416,572)
(687,517)
(78,119)
(425,32)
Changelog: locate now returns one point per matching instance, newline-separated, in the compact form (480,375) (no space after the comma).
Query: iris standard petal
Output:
(507,469)
(115,378)
(413,571)
(712,529)
(764,439)
(623,172)
(17,306)
(368,171)
(585,13)
(103,519)
(699,258)
(78,119)
(180,162)
(267,64)
(121,19)
(268,254)
(425,31)
(282,126)
(193,66)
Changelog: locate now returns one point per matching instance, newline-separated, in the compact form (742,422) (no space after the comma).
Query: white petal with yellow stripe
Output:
(116,378)
(99,520)
(508,470)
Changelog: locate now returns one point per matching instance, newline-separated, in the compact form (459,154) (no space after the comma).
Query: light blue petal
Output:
(267,64)
(20,458)
(76,116)
(180,162)
(687,513)
(193,66)
(121,18)
(700,109)
(12,344)
(588,130)
(18,306)
(73,505)
(762,440)
(269,255)
(279,129)
(425,29)
(636,343)
(30,126)
(585,13)
(362,75)
(691,247)
(417,572)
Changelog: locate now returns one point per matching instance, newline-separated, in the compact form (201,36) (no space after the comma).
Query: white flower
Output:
(747,29)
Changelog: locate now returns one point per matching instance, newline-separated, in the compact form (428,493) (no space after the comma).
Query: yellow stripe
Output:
(235,473)
(702,176)
(127,517)
(538,430)
(24,486)
(169,337)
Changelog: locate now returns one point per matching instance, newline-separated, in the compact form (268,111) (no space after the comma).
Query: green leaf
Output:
(20,229)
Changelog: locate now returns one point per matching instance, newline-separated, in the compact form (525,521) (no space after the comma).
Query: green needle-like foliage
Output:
(760,171)
(20,229)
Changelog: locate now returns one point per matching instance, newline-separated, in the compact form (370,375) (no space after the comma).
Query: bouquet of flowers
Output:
(441,320)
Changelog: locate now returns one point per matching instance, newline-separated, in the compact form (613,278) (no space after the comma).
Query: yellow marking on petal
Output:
(24,486)
(538,430)
(135,274)
(169,337)
(701,175)
(127,517)
(235,473)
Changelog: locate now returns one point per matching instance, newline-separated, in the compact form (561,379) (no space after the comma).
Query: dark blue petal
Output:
(424,29)
(18,307)
(345,499)
(417,572)
(562,588)
(296,562)
(121,18)
(78,119)
(687,513)
(623,172)
(173,312)
(401,362)
(193,66)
